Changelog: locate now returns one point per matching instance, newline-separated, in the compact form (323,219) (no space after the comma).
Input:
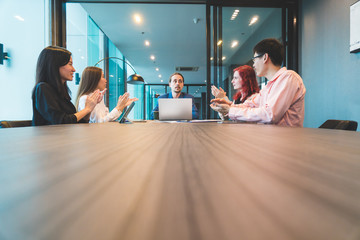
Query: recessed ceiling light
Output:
(137,18)
(223,58)
(157,69)
(253,20)
(234,15)
(152,57)
(219,42)
(147,43)
(160,76)
(205,80)
(234,44)
(161,80)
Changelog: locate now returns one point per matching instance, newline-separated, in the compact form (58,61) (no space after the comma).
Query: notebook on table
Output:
(175,109)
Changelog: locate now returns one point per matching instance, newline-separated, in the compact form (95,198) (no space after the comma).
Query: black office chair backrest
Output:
(11,124)
(340,124)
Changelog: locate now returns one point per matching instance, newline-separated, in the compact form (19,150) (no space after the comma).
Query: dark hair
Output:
(248,76)
(90,79)
(47,69)
(176,73)
(273,48)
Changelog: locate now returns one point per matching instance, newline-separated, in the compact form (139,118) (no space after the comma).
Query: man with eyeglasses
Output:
(176,83)
(281,101)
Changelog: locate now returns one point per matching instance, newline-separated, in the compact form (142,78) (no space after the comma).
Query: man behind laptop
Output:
(176,83)
(281,101)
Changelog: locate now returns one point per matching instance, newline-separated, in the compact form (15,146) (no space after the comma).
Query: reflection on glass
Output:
(116,75)
(138,92)
(95,43)
(84,39)
(240,36)
(152,92)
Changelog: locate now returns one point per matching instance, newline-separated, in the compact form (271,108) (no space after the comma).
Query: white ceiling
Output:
(175,40)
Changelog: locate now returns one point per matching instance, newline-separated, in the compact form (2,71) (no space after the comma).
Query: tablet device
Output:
(175,109)
(123,117)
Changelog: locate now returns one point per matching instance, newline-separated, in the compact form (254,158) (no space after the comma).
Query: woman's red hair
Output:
(248,76)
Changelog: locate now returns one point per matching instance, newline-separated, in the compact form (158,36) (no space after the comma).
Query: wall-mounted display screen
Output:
(354,27)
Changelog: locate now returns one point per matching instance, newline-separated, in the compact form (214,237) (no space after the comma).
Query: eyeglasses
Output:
(260,55)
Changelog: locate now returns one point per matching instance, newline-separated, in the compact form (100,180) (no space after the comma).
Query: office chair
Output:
(340,124)
(12,124)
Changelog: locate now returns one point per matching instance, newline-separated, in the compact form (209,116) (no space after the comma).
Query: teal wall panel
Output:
(330,72)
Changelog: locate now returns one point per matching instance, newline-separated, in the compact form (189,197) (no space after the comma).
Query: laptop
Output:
(175,109)
(123,117)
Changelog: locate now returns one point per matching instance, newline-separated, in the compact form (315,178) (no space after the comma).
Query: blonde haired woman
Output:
(92,79)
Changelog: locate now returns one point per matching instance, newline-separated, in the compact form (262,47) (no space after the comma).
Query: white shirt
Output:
(100,113)
(281,102)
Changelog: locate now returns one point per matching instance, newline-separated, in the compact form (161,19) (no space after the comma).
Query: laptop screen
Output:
(175,108)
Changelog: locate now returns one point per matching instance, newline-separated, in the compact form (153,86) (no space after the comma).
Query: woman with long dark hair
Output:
(92,80)
(50,96)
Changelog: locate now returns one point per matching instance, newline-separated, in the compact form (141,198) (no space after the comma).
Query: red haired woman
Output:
(245,85)
(244,82)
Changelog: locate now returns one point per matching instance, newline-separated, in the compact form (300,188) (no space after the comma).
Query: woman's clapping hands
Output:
(93,99)
(124,101)
(218,92)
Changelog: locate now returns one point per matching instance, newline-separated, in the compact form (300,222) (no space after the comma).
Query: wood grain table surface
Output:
(178,181)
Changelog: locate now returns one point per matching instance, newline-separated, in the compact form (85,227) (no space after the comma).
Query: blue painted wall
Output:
(330,72)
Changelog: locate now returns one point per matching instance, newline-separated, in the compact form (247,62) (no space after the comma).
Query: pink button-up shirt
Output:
(281,102)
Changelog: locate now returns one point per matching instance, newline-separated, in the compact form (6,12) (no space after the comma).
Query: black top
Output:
(50,108)
(238,101)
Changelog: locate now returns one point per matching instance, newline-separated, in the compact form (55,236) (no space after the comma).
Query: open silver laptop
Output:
(175,108)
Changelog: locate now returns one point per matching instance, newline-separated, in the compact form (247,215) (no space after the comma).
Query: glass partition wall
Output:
(235,31)
(142,43)
(89,45)
(204,42)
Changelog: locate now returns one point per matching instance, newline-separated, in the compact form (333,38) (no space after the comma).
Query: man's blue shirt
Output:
(195,112)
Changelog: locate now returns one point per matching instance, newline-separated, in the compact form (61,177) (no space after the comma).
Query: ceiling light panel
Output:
(137,18)
(234,15)
(253,20)
(234,44)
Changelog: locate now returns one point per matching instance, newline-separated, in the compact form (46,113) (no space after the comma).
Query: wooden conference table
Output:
(199,181)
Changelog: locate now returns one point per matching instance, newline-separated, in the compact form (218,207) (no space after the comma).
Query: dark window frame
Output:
(290,20)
